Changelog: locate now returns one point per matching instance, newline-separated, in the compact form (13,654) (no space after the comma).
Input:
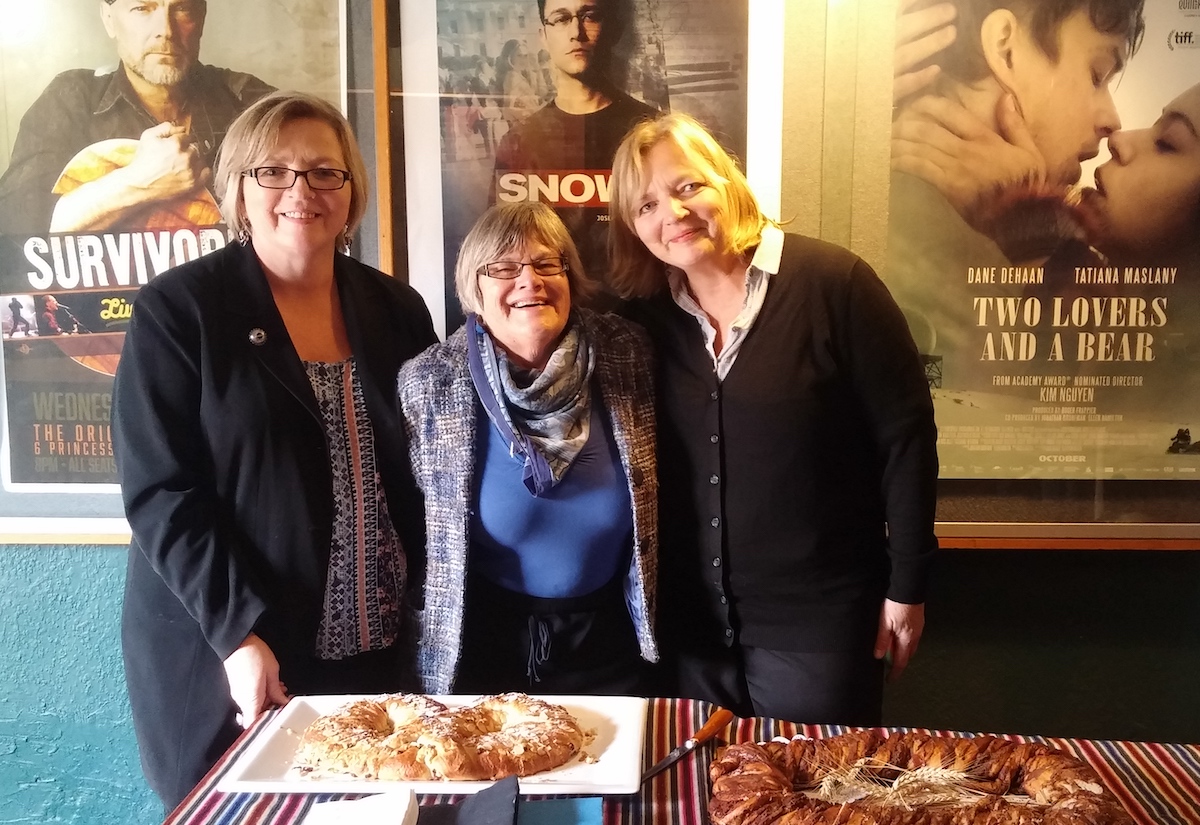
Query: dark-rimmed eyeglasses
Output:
(507,270)
(281,177)
(590,17)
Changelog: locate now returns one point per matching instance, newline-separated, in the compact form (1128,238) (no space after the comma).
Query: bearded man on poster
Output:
(578,131)
(1024,86)
(160,95)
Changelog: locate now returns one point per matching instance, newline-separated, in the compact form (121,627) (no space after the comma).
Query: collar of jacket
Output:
(252,302)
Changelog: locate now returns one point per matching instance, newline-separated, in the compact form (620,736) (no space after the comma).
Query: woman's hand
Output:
(900,628)
(975,167)
(920,34)
(253,674)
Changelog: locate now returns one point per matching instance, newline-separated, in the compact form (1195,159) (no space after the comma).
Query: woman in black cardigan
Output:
(798,460)
(260,454)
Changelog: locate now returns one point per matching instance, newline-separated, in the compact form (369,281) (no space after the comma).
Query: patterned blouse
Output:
(366,561)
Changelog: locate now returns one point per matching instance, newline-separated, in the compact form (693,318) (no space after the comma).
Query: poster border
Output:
(418,196)
(103,529)
(423,235)
(1038,513)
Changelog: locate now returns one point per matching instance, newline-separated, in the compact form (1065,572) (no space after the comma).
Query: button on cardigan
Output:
(799,491)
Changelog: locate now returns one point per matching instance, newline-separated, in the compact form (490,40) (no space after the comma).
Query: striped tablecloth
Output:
(1159,784)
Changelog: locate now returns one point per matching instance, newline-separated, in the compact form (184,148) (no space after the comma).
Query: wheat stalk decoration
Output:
(911,788)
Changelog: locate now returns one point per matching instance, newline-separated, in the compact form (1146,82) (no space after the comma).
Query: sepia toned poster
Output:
(114,114)
(1056,306)
(534,101)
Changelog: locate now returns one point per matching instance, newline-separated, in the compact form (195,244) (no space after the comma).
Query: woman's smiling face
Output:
(299,221)
(526,315)
(1147,197)
(679,214)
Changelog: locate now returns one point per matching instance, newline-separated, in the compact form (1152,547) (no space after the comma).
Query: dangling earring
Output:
(346,240)
(243,237)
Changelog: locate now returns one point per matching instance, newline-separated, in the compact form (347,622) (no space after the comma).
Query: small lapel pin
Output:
(258,337)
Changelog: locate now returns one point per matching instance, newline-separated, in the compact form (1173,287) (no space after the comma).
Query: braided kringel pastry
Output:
(865,778)
(411,737)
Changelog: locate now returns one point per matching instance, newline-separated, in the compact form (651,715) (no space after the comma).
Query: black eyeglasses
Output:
(507,270)
(281,177)
(590,17)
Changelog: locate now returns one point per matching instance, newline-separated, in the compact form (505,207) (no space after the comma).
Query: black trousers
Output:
(823,687)
(515,642)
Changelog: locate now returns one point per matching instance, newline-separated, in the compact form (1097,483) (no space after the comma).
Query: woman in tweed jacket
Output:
(532,439)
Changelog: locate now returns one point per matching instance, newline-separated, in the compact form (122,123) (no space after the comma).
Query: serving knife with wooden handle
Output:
(719,719)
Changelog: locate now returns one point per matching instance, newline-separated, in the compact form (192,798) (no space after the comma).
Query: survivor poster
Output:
(115,110)
(535,97)
(1044,234)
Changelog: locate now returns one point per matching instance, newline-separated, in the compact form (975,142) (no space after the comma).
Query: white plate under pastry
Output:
(612,763)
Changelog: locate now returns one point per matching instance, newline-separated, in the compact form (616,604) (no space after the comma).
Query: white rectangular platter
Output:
(619,724)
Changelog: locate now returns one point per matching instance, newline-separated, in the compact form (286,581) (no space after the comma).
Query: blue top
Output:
(568,542)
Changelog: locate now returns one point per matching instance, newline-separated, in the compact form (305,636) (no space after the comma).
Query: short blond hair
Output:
(635,271)
(253,135)
(509,225)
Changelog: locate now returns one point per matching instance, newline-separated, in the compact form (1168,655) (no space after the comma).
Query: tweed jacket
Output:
(442,413)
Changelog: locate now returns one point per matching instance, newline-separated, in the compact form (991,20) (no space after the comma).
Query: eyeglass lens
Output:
(544,267)
(281,177)
(589,17)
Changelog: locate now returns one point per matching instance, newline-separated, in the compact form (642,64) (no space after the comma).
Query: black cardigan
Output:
(799,491)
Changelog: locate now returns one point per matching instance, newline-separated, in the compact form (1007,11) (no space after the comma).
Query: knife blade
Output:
(719,719)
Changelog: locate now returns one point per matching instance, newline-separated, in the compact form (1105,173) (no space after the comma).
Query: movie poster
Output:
(1056,306)
(533,108)
(115,112)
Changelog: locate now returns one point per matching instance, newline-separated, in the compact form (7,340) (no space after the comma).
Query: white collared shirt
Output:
(758,275)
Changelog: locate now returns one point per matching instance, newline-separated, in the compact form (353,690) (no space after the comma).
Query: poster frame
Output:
(94,520)
(410,58)
(1056,513)
(416,165)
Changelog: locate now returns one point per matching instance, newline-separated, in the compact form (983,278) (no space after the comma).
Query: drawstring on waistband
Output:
(539,647)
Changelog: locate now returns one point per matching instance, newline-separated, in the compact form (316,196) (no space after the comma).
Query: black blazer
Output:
(222,455)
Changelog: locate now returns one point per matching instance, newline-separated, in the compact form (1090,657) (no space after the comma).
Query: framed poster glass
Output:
(521,100)
(1042,243)
(114,112)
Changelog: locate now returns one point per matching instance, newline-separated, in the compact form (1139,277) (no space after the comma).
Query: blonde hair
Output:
(253,135)
(509,225)
(635,271)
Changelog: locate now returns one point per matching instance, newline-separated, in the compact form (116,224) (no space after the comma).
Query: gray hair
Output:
(253,135)
(508,225)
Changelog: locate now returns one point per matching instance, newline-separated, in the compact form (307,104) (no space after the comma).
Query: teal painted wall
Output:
(67,751)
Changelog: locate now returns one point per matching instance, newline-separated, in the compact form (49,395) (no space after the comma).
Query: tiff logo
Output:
(1177,39)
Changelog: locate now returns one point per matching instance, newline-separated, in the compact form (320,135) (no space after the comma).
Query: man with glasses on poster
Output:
(171,110)
(562,153)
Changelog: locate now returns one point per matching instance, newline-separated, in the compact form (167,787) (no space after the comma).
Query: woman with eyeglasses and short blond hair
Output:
(531,433)
(260,456)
